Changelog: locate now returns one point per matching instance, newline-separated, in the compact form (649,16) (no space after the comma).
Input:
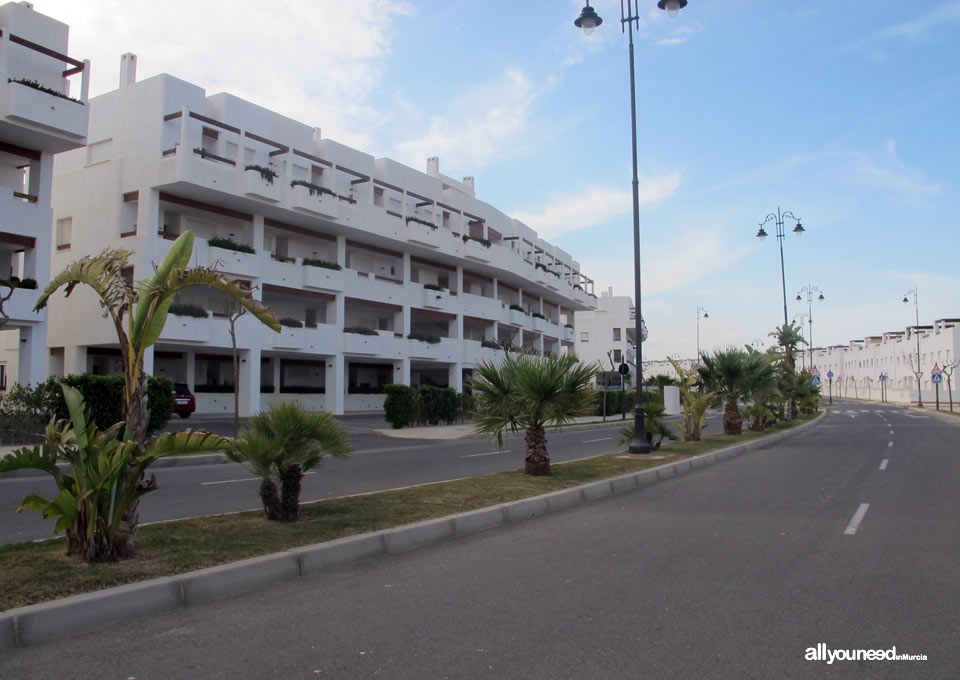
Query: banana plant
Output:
(694,403)
(138,316)
(89,467)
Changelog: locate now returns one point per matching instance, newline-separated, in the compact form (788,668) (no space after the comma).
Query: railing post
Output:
(4,50)
(85,82)
(184,138)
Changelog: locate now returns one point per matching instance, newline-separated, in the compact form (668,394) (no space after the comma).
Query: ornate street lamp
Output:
(589,20)
(778,218)
(810,290)
(916,331)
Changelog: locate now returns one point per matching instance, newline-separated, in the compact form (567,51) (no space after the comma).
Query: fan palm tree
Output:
(528,393)
(138,317)
(789,338)
(282,444)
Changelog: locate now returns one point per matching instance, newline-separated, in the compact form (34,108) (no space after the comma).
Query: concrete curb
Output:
(172,461)
(39,623)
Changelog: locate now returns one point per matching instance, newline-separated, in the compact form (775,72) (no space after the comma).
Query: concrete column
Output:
(32,363)
(342,251)
(455,376)
(405,321)
(496,292)
(191,372)
(401,371)
(74,359)
(338,307)
(457,327)
(275,367)
(249,388)
(459,279)
(148,360)
(336,383)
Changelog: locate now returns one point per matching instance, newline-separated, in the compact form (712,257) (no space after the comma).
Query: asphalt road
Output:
(378,463)
(731,571)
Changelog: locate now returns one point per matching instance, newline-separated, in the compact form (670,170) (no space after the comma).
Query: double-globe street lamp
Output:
(778,218)
(810,289)
(916,331)
(589,20)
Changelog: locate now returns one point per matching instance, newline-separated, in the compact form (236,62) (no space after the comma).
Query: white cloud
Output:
(317,62)
(593,205)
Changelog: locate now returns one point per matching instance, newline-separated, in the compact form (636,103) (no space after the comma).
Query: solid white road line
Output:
(883,463)
(492,453)
(246,479)
(857,518)
(590,441)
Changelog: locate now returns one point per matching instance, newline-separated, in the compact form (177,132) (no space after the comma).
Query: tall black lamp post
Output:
(916,331)
(810,289)
(778,218)
(701,312)
(589,20)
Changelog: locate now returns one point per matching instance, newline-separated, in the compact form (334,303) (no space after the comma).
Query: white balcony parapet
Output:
(435,299)
(252,183)
(322,278)
(474,250)
(425,235)
(316,202)
(288,338)
(186,329)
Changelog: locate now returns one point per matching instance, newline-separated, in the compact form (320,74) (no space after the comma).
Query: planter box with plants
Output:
(539,321)
(322,274)
(186,323)
(291,335)
(361,340)
(517,316)
(314,198)
(423,232)
(434,296)
(262,182)
(473,248)
(28,100)
(232,257)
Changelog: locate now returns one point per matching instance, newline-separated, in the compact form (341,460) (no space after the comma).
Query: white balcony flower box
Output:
(424,235)
(435,299)
(186,329)
(253,184)
(322,278)
(322,204)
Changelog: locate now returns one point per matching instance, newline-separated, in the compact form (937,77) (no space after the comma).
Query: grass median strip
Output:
(38,572)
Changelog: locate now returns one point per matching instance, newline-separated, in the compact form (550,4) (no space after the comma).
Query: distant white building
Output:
(857,366)
(332,239)
(608,333)
(43,111)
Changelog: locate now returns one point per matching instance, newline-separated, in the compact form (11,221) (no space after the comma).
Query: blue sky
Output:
(844,113)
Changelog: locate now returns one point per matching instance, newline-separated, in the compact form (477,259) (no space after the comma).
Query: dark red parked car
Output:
(184,402)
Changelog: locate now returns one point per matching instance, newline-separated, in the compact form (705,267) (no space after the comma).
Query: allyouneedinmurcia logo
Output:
(821,653)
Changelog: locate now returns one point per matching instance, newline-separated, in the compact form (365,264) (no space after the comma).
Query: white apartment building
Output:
(857,366)
(608,333)
(39,116)
(413,253)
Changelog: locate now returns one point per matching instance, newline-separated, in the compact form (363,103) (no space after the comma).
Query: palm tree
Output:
(282,444)
(789,337)
(736,376)
(138,317)
(526,392)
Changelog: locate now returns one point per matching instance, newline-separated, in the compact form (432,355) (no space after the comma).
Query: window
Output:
(617,356)
(616,335)
(64,233)
(584,337)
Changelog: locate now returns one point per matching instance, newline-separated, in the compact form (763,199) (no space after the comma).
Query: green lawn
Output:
(38,572)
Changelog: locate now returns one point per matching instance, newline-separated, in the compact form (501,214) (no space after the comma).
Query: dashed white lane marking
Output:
(891,432)
(883,463)
(857,519)
(245,479)
(492,453)
(889,444)
(590,441)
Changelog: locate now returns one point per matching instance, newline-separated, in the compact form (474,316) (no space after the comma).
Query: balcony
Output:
(22,215)
(20,305)
(287,338)
(368,286)
(445,350)
(474,352)
(425,235)
(232,261)
(55,124)
(517,318)
(435,299)
(322,278)
(186,329)
(252,183)
(474,250)
(317,203)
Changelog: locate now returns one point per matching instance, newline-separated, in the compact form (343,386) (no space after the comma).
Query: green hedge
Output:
(615,401)
(103,394)
(428,405)
(400,406)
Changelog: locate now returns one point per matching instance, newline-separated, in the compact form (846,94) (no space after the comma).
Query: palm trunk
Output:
(137,417)
(290,493)
(538,460)
(270,499)
(732,420)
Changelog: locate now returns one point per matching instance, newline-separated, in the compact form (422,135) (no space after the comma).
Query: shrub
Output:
(43,88)
(423,336)
(290,322)
(268,174)
(420,221)
(103,394)
(314,189)
(400,406)
(361,330)
(538,315)
(433,286)
(230,244)
(28,283)
(188,310)
(313,262)
(518,308)
(486,243)
(437,404)
(490,344)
